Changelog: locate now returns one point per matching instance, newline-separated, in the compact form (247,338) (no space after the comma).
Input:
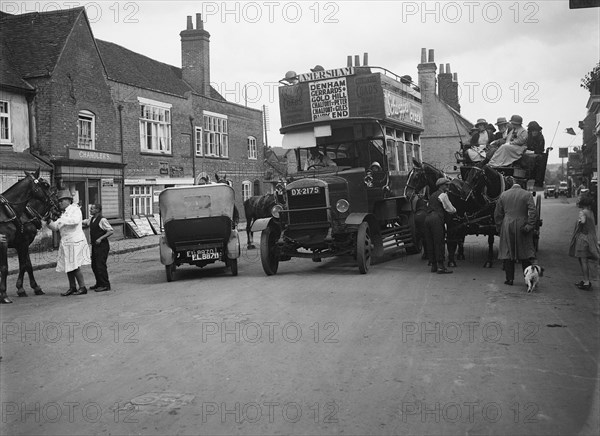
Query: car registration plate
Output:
(206,254)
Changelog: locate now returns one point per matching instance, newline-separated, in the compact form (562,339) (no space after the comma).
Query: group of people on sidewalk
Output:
(515,217)
(73,252)
(507,145)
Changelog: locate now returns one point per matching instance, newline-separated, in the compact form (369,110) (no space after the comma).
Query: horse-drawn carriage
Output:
(199,227)
(474,195)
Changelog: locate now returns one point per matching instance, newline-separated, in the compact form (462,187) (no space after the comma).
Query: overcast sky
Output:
(525,57)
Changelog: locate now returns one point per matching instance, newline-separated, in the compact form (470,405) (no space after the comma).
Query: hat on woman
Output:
(65,193)
(441,181)
(501,121)
(480,121)
(516,119)
(534,126)
(491,127)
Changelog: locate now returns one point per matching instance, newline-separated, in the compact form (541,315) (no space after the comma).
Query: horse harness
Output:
(12,215)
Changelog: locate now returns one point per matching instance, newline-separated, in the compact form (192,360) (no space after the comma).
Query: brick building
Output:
(119,127)
(444,126)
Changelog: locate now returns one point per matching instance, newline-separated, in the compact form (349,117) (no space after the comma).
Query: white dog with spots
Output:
(532,276)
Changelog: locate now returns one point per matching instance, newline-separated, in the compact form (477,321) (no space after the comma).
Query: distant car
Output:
(563,189)
(550,191)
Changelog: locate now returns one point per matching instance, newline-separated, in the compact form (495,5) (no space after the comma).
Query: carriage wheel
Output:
(170,270)
(233,263)
(536,235)
(364,247)
(269,254)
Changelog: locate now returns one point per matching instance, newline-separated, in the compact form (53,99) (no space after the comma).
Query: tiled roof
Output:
(36,39)
(126,66)
(16,160)
(9,74)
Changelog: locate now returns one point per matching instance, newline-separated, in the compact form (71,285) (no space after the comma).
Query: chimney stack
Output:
(448,88)
(195,56)
(427,78)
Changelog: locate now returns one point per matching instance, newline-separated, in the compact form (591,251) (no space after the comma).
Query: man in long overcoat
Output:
(515,218)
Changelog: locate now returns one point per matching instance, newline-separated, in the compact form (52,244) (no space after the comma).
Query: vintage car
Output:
(563,189)
(550,191)
(199,227)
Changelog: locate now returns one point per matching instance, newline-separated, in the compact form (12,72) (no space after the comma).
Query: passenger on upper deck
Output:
(479,142)
(515,146)
(499,137)
(318,159)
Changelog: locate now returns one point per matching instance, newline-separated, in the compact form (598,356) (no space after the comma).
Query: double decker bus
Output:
(368,122)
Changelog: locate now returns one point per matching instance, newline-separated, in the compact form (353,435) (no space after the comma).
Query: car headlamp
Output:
(275,210)
(342,206)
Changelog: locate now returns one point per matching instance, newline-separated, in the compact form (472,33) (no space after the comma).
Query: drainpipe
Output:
(33,135)
(120,107)
(192,137)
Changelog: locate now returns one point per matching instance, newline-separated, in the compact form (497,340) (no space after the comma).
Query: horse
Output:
(36,211)
(13,204)
(421,181)
(256,207)
(473,199)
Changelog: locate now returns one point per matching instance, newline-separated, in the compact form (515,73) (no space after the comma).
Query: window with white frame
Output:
(141,200)
(215,136)
(252,154)
(198,140)
(86,129)
(246,190)
(5,133)
(155,126)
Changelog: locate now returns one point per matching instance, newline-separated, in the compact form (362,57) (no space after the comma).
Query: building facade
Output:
(117,127)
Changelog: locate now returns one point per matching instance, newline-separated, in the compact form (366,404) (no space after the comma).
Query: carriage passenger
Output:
(498,138)
(479,142)
(515,145)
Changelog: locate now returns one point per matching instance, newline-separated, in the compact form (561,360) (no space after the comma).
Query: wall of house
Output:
(78,83)
(19,120)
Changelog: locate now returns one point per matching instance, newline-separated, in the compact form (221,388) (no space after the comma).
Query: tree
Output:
(591,81)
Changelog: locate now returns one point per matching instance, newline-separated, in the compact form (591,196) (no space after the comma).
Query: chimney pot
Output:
(431,55)
(199,23)
(356,60)
(423,55)
(441,68)
(349,61)
(365,59)
(190,26)
(448,69)
(455,77)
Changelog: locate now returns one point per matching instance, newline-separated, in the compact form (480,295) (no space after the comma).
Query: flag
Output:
(570,131)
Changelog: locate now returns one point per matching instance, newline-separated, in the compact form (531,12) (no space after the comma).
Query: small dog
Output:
(532,276)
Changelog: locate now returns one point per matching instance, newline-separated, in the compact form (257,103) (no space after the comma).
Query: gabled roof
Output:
(126,66)
(36,40)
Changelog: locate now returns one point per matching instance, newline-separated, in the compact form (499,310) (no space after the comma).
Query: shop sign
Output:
(163,168)
(108,183)
(94,155)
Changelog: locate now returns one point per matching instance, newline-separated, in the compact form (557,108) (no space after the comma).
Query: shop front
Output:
(94,177)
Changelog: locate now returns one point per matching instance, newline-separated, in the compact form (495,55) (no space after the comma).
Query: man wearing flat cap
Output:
(73,251)
(434,226)
(515,145)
